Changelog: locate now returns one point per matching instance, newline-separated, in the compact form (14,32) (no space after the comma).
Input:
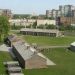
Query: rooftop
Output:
(73,44)
(24,50)
(40,30)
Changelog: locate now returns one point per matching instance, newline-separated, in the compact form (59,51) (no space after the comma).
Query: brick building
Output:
(67,20)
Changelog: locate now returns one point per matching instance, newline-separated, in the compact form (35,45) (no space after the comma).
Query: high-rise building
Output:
(73,12)
(66,10)
(54,13)
(48,13)
(61,9)
(58,13)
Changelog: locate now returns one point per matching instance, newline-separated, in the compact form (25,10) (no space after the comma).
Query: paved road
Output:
(43,47)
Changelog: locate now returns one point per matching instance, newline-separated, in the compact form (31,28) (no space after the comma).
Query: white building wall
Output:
(43,22)
(27,22)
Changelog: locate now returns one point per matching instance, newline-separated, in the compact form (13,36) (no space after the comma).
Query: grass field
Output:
(64,60)
(47,41)
(65,63)
(4,56)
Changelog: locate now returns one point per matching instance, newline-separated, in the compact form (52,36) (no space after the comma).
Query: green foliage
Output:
(29,26)
(17,27)
(68,27)
(4,27)
(4,56)
(47,26)
(21,16)
(34,17)
(62,28)
(50,26)
(34,25)
(42,16)
(50,18)
(40,26)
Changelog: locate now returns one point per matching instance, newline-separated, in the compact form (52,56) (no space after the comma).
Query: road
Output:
(46,47)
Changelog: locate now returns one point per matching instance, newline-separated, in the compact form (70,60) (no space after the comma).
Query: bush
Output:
(14,27)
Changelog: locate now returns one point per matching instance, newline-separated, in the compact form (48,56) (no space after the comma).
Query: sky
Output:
(33,6)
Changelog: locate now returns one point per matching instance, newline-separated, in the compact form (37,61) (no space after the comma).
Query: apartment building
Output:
(6,12)
(43,22)
(66,10)
(48,13)
(63,11)
(67,20)
(26,22)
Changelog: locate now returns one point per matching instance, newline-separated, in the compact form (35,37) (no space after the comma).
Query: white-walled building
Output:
(26,22)
(43,22)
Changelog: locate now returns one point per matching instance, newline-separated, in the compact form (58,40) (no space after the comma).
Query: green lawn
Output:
(65,63)
(64,60)
(45,41)
(4,56)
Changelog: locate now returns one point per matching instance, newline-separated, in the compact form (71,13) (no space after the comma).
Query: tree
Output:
(62,28)
(21,16)
(4,27)
(34,17)
(29,26)
(34,24)
(50,26)
(40,26)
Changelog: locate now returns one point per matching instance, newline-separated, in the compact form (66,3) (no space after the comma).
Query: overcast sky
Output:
(33,6)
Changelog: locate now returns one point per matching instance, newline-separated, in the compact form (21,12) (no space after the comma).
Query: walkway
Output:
(47,47)
(3,47)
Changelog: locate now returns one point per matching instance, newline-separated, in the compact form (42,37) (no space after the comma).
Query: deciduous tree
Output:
(4,27)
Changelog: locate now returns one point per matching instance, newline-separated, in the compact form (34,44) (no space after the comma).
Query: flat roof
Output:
(40,30)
